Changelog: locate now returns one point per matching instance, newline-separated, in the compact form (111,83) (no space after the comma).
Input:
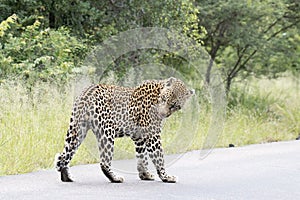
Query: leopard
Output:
(113,111)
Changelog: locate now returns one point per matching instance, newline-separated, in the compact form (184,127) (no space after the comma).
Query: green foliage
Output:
(248,38)
(36,54)
(45,41)
(101,19)
(284,56)
(243,37)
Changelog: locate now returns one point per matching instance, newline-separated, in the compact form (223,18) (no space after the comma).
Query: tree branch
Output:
(272,25)
(235,69)
(244,63)
(238,67)
(282,29)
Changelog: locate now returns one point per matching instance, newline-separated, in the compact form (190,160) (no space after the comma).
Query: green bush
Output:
(36,54)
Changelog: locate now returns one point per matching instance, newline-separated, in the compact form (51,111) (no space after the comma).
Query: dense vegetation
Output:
(43,44)
(48,39)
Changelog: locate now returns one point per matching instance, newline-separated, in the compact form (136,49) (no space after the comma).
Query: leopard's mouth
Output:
(174,108)
(168,114)
(164,115)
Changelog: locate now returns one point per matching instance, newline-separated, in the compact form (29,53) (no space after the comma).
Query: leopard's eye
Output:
(175,106)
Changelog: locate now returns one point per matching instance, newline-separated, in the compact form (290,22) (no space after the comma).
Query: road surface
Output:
(266,171)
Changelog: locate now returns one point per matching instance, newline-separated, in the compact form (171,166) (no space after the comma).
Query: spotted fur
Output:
(114,111)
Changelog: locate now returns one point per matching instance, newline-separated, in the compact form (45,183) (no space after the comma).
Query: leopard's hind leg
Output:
(105,137)
(75,135)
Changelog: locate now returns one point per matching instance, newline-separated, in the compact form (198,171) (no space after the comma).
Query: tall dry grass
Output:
(33,124)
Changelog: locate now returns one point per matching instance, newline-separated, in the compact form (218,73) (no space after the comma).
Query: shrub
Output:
(36,54)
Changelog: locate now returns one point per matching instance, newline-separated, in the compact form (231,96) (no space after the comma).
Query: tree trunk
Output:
(208,71)
(228,85)
(212,54)
(52,23)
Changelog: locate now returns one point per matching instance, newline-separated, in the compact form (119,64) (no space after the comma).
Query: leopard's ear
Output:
(167,89)
(169,81)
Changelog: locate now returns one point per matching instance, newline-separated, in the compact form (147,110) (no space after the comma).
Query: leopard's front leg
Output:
(142,160)
(155,151)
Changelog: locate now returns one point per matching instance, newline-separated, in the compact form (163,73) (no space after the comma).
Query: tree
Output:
(36,54)
(89,22)
(240,33)
(101,19)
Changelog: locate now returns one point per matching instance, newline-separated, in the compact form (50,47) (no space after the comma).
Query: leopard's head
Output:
(173,96)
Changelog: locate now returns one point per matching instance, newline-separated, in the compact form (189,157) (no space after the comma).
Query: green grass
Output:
(266,111)
(33,127)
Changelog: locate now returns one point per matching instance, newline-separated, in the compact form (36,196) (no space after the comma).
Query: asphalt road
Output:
(267,171)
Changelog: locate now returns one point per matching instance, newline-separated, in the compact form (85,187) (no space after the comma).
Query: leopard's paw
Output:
(169,179)
(65,175)
(146,176)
